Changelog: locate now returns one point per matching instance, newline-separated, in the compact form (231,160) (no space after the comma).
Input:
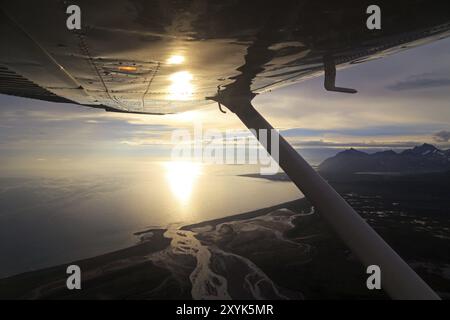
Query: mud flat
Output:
(121,274)
(169,263)
(280,252)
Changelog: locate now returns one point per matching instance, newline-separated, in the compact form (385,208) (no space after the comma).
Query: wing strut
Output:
(397,277)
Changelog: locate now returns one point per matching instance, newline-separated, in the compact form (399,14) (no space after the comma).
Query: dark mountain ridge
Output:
(420,159)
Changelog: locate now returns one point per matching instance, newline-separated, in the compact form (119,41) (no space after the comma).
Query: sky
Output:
(402,101)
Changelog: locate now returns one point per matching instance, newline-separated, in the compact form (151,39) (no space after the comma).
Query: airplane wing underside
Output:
(160,57)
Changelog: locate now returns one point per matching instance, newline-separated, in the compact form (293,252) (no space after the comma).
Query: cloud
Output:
(423,81)
(442,136)
(357,144)
(367,131)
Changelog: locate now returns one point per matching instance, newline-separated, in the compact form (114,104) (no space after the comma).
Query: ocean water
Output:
(54,216)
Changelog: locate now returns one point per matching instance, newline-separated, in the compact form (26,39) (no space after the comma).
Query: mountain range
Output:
(420,159)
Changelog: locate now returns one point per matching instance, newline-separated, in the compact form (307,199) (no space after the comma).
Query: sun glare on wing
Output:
(181,176)
(181,87)
(175,59)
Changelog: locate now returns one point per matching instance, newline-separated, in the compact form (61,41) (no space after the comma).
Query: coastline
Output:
(49,283)
(284,251)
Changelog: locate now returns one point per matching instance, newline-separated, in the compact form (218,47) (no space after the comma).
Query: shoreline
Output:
(293,254)
(49,283)
(246,215)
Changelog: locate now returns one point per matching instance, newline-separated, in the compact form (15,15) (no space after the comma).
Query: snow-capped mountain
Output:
(424,158)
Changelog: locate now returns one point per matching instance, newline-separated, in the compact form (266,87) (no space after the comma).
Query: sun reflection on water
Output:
(181,176)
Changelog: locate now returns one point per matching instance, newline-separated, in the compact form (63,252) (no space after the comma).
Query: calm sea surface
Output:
(57,217)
